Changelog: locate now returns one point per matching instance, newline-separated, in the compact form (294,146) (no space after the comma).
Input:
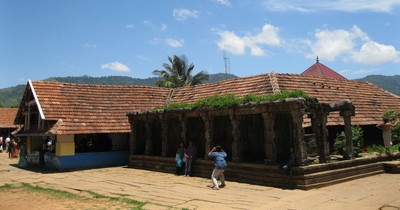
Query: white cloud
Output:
(154,41)
(224,2)
(353,46)
(174,43)
(116,66)
(237,45)
(87,45)
(373,53)
(163,27)
(332,43)
(129,26)
(183,14)
(336,5)
(156,27)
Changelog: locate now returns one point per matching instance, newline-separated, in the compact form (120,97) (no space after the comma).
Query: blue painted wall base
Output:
(81,160)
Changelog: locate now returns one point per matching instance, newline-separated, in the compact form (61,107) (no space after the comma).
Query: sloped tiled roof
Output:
(7,116)
(94,108)
(320,70)
(370,101)
(79,109)
(239,86)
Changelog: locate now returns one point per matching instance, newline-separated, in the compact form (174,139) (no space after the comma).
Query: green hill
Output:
(10,97)
(389,83)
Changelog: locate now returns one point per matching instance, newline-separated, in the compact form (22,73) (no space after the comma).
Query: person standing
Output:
(11,148)
(220,165)
(1,144)
(180,152)
(191,152)
(387,136)
(22,156)
(7,142)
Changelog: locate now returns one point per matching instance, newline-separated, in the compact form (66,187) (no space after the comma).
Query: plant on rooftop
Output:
(227,100)
(179,73)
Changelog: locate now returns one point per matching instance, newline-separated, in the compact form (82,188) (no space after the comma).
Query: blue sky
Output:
(57,38)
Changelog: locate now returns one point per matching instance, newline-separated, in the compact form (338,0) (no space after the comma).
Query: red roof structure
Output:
(7,117)
(79,108)
(320,70)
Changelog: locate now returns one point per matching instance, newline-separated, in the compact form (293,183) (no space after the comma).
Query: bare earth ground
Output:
(166,191)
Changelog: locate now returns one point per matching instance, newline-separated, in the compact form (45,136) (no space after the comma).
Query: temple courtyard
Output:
(157,190)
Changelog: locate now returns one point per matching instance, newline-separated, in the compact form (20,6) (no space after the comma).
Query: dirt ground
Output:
(21,199)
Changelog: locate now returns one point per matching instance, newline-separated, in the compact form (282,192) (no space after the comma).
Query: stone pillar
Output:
(269,137)
(149,139)
(208,127)
(349,152)
(237,147)
(183,121)
(164,135)
(298,135)
(132,137)
(318,123)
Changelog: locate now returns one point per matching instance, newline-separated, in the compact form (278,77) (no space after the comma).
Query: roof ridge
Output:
(274,82)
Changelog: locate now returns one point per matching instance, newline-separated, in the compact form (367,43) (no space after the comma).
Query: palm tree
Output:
(179,74)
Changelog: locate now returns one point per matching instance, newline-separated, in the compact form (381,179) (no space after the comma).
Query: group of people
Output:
(14,148)
(185,156)
(11,146)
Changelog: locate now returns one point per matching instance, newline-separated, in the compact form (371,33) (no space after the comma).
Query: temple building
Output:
(104,125)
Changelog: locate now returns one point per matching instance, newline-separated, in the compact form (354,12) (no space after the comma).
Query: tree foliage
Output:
(179,73)
(358,141)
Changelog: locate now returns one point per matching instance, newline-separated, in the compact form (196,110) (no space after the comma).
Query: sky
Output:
(57,38)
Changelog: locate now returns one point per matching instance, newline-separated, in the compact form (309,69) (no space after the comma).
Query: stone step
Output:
(304,177)
(392,166)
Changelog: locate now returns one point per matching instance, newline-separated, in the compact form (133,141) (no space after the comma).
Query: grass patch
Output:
(381,149)
(229,100)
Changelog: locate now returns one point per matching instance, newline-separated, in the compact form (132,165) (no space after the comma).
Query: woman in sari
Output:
(179,158)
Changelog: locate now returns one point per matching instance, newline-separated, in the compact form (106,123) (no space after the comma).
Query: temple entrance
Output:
(283,136)
(195,133)
(222,134)
(252,136)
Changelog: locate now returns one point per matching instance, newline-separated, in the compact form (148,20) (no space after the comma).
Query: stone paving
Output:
(376,192)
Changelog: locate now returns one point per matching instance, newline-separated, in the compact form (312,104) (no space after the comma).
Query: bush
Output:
(358,141)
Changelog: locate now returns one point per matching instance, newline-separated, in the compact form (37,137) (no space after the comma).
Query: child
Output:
(219,156)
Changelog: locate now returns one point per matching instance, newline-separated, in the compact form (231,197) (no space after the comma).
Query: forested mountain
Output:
(10,97)
(389,83)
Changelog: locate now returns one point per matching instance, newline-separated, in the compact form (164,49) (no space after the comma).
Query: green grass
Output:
(381,148)
(64,194)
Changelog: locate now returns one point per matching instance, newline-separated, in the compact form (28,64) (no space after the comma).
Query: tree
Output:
(179,73)
(1,105)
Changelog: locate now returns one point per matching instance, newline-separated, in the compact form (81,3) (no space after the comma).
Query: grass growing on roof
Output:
(227,100)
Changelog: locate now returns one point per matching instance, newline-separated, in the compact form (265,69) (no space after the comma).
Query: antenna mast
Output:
(227,65)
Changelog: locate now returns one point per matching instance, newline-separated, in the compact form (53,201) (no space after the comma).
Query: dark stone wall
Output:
(283,136)
(222,134)
(156,137)
(174,136)
(196,134)
(252,137)
(140,137)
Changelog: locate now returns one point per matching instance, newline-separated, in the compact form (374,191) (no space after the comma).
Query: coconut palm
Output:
(179,73)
